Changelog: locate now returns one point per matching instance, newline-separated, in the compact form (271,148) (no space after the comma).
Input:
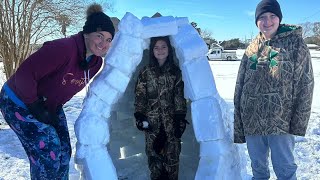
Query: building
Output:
(313,46)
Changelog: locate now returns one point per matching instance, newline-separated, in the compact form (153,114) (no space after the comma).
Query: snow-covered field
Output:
(14,164)
(307,149)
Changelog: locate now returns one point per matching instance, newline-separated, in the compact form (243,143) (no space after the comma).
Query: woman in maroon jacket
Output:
(31,100)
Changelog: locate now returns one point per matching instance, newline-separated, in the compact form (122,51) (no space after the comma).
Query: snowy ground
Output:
(307,150)
(14,164)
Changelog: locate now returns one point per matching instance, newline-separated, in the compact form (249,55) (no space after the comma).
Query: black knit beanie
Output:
(268,6)
(97,21)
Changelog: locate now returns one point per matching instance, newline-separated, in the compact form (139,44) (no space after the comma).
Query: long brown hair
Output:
(153,41)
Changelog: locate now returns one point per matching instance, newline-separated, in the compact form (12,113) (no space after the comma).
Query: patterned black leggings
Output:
(47,148)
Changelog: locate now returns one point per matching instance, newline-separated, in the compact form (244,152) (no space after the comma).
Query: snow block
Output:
(93,103)
(188,43)
(123,43)
(227,116)
(126,63)
(116,79)
(208,169)
(160,26)
(207,120)
(213,168)
(198,79)
(130,25)
(91,130)
(182,21)
(219,160)
(81,151)
(105,92)
(98,165)
(215,148)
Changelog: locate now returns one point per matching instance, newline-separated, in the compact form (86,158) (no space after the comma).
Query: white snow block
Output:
(198,79)
(130,25)
(126,63)
(215,148)
(116,79)
(212,168)
(189,45)
(81,151)
(208,169)
(218,160)
(207,120)
(182,21)
(123,43)
(98,165)
(160,26)
(93,103)
(227,116)
(104,91)
(91,129)
(109,85)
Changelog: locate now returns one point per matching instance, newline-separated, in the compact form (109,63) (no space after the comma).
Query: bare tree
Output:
(24,23)
(208,37)
(316,29)
(206,34)
(307,29)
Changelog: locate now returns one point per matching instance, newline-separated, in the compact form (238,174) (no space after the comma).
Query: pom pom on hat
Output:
(97,21)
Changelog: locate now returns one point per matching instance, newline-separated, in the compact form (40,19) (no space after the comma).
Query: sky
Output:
(225,19)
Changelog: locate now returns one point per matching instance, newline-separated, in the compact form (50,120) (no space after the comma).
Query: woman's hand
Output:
(39,112)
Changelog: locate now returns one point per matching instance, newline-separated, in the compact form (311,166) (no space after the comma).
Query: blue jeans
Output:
(282,158)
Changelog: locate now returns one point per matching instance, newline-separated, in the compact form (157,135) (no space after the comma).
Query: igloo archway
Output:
(103,122)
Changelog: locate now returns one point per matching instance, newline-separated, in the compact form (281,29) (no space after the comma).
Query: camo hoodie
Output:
(274,88)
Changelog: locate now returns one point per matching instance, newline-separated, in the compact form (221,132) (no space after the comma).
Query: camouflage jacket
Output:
(274,88)
(159,95)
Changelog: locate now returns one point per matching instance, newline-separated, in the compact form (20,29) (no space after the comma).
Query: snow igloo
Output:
(109,146)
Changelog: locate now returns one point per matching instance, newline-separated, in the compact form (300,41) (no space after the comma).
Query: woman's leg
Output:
(40,141)
(63,133)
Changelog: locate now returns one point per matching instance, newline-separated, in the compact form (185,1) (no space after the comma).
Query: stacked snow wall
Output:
(211,120)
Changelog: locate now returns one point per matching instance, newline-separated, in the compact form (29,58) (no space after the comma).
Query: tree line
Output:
(310,33)
(24,24)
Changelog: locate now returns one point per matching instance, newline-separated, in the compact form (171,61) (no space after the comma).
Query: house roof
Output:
(157,14)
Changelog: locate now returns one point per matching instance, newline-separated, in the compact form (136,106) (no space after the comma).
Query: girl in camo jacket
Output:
(160,103)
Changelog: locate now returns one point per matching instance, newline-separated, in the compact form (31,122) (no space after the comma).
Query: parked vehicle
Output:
(218,53)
